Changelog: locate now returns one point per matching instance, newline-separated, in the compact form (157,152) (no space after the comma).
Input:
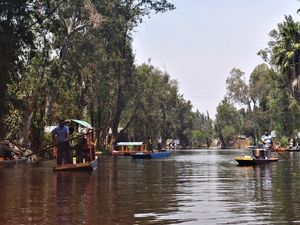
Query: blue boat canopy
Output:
(81,122)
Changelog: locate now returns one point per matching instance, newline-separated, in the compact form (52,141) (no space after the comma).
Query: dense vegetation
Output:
(74,59)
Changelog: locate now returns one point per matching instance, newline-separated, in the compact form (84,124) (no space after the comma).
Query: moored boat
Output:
(149,155)
(4,161)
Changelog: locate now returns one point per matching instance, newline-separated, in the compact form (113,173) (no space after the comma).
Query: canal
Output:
(191,187)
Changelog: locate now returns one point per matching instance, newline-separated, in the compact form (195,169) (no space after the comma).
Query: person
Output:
(6,151)
(71,145)
(60,137)
(71,132)
(267,142)
(149,144)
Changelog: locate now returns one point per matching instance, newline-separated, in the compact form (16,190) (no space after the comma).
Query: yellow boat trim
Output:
(244,158)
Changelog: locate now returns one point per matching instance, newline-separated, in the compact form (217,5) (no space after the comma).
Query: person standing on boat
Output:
(149,144)
(267,141)
(60,137)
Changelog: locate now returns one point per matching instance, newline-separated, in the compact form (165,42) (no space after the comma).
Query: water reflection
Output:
(189,187)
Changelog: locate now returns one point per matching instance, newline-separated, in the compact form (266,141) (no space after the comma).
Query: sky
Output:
(201,41)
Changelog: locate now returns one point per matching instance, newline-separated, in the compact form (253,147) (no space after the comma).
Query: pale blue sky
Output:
(202,40)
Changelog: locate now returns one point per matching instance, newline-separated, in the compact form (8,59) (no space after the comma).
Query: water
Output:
(190,187)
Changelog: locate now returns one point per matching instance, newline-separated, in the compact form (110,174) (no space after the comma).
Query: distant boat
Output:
(278,150)
(125,148)
(149,155)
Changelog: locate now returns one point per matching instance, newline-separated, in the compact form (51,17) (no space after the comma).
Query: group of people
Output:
(10,151)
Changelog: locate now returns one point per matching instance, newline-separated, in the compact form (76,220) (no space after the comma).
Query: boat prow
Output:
(250,161)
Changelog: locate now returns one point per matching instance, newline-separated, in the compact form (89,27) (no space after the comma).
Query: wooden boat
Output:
(88,166)
(149,155)
(278,150)
(293,150)
(258,157)
(250,161)
(4,161)
(272,150)
(126,148)
(85,158)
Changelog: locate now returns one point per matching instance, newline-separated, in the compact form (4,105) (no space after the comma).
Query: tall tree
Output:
(228,122)
(286,53)
(238,91)
(15,44)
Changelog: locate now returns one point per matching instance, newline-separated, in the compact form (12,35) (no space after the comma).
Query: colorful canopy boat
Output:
(258,157)
(149,155)
(126,148)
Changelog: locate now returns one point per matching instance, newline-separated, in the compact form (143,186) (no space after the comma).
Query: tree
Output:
(284,52)
(239,91)
(15,44)
(228,122)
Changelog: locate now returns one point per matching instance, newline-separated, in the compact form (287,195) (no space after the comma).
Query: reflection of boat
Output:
(258,157)
(148,155)
(126,148)
(5,161)
(85,159)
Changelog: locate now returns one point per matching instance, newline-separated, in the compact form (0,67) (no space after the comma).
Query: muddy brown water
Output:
(190,187)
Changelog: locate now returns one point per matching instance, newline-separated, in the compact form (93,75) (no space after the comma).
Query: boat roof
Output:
(81,122)
(129,143)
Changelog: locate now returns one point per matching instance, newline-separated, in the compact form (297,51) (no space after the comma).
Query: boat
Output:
(293,150)
(250,161)
(150,155)
(87,166)
(5,161)
(278,150)
(126,148)
(84,155)
(258,157)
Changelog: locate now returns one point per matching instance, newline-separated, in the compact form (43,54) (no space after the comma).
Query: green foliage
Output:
(228,122)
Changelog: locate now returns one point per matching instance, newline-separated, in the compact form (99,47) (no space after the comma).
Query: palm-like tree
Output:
(287,54)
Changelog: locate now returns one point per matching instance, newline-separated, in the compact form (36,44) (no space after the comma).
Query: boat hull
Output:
(88,166)
(123,153)
(14,161)
(279,150)
(249,161)
(148,155)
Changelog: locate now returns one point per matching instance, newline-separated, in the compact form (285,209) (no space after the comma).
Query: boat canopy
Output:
(129,143)
(81,122)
